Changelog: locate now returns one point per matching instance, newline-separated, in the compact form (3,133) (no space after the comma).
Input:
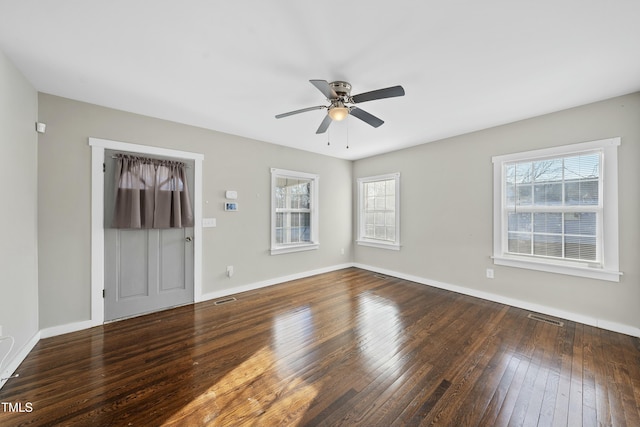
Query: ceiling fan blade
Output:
(366,117)
(303,110)
(324,125)
(323,86)
(389,92)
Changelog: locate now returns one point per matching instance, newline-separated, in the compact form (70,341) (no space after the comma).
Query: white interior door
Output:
(145,270)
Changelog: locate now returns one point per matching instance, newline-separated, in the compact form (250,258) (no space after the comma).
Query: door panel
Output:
(145,270)
(133,275)
(173,246)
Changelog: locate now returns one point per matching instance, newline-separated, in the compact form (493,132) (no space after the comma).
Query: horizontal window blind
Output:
(553,207)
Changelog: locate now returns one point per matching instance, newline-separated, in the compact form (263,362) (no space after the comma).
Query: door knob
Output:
(188,238)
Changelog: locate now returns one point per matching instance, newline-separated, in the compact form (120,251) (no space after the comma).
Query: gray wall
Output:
(18,216)
(446,211)
(240,239)
(442,182)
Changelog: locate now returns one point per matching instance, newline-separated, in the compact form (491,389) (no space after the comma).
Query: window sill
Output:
(381,245)
(577,269)
(277,250)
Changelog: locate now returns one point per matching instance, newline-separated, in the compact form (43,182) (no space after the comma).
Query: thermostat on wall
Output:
(231,195)
(230,206)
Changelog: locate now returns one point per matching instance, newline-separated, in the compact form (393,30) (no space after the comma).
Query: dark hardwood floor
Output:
(344,348)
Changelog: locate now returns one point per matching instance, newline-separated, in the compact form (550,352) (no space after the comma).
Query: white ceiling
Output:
(232,66)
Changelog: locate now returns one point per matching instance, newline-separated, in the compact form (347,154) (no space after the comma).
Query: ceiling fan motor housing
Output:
(343,89)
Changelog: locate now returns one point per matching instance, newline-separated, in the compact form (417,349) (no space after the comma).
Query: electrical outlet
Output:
(489,273)
(229,271)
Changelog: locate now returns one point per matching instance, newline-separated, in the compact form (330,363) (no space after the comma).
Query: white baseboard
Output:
(575,317)
(18,359)
(270,282)
(65,329)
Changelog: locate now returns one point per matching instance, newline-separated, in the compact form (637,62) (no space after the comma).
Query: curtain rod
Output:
(159,160)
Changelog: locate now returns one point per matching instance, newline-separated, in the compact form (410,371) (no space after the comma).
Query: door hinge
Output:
(103,293)
(104,167)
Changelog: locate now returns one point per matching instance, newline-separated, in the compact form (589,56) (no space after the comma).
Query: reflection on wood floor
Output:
(343,348)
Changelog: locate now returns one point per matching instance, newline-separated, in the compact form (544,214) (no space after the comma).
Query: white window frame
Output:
(279,248)
(361,237)
(607,227)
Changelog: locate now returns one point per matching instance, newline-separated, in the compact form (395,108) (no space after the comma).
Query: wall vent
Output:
(545,319)
(224,301)
(380,276)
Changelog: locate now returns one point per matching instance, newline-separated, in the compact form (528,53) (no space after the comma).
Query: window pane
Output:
(519,243)
(390,219)
(523,195)
(584,166)
(547,170)
(379,203)
(547,245)
(379,218)
(391,187)
(580,223)
(581,193)
(391,203)
(519,221)
(547,223)
(547,194)
(510,174)
(293,227)
(369,231)
(510,194)
(391,233)
(370,189)
(293,193)
(370,203)
(369,218)
(524,173)
(579,247)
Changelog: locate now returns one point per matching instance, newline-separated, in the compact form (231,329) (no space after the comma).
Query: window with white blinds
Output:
(294,216)
(379,211)
(550,211)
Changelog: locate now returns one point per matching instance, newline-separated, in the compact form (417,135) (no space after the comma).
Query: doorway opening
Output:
(98,148)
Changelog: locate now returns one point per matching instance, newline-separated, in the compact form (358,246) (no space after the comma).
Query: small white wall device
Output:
(41,127)
(231,194)
(231,206)
(208,222)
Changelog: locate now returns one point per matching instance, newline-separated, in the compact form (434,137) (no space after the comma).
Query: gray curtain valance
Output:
(151,193)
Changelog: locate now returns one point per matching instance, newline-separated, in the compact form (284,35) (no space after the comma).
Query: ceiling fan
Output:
(338,94)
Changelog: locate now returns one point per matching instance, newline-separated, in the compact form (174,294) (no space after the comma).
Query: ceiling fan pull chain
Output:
(347,135)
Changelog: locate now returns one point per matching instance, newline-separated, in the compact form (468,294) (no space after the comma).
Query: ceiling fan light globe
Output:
(338,113)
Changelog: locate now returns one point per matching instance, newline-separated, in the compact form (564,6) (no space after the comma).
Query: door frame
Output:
(98,147)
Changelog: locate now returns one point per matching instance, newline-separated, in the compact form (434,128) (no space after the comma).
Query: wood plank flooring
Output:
(347,348)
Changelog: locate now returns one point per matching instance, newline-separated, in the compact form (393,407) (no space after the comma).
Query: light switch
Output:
(231,194)
(208,222)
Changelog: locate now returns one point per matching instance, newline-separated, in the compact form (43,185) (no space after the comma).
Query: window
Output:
(379,211)
(294,212)
(556,210)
